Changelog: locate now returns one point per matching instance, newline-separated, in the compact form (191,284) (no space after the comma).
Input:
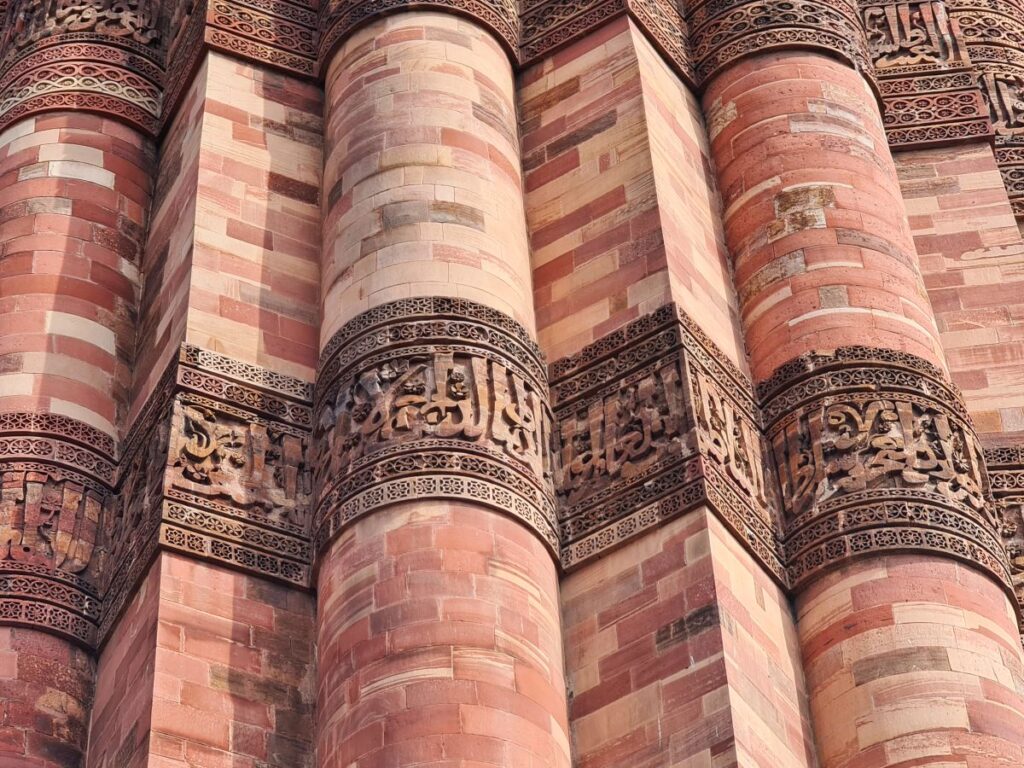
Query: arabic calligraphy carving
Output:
(652,421)
(55,475)
(867,441)
(993,37)
(216,466)
(1006,471)
(406,392)
(929,94)
(908,34)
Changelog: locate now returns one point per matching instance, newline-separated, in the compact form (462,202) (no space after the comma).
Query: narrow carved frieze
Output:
(547,25)
(216,467)
(431,398)
(722,31)
(99,55)
(56,477)
(875,452)
(930,95)
(651,421)
(1006,474)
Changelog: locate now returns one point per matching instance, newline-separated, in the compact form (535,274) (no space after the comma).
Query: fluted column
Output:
(73,199)
(908,636)
(438,620)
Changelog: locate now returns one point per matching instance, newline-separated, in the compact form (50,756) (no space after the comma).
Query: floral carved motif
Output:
(437,387)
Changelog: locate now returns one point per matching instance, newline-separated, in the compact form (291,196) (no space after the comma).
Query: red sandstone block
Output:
(555,169)
(408,539)
(845,628)
(463,540)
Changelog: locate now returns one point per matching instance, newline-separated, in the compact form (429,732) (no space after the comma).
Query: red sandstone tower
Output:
(620,384)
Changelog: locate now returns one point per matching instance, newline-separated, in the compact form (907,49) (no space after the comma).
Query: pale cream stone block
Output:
(16,131)
(70,169)
(973,664)
(12,384)
(74,152)
(933,714)
(75,411)
(53,364)
(33,171)
(63,324)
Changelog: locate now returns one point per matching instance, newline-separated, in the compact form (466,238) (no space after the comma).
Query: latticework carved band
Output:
(432,398)
(101,56)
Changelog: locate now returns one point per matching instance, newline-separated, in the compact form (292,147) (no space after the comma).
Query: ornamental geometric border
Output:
(106,58)
(50,580)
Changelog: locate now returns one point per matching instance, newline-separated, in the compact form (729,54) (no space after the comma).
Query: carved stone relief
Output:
(215,467)
(1006,473)
(103,55)
(993,37)
(431,398)
(722,31)
(653,420)
(338,18)
(858,451)
(55,489)
(874,451)
(929,93)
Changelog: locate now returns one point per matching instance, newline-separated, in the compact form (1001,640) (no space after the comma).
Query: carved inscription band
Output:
(871,451)
(216,467)
(653,420)
(1006,473)
(57,476)
(874,451)
(97,55)
(431,398)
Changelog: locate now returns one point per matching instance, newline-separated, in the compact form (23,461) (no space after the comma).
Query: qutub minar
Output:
(519,383)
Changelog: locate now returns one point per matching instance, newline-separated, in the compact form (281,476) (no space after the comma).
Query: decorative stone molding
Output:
(547,25)
(722,31)
(431,398)
(653,420)
(929,94)
(1006,473)
(339,18)
(875,452)
(216,467)
(96,55)
(993,36)
(278,33)
(56,477)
